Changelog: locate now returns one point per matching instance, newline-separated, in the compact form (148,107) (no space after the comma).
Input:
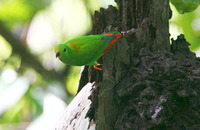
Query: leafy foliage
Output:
(25,109)
(190,27)
(183,6)
(20,18)
(19,15)
(20,11)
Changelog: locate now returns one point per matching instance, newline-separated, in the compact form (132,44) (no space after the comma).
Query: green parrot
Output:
(86,50)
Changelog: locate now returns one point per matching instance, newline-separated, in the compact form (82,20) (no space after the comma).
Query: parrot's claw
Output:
(133,30)
(97,68)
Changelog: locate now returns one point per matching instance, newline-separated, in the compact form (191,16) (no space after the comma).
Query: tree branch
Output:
(29,59)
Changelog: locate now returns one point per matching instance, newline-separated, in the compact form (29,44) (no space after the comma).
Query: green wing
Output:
(88,49)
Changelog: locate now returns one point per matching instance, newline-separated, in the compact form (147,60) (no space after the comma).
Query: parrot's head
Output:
(62,51)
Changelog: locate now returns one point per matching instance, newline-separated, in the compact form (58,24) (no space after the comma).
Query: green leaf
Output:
(20,11)
(183,6)
(25,110)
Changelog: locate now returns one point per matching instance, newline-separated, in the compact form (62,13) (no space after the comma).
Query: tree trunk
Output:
(144,84)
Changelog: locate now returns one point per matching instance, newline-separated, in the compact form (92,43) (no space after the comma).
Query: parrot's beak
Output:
(57,54)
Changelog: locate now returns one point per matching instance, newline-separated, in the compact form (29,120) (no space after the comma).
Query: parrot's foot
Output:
(133,30)
(97,68)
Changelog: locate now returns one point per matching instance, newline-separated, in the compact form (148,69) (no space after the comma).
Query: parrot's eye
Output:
(64,50)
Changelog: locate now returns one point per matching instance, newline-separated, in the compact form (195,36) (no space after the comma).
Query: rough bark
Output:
(144,84)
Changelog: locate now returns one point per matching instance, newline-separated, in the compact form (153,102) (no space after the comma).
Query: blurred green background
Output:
(35,87)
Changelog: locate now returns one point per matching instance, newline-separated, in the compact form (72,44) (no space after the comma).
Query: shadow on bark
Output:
(145,82)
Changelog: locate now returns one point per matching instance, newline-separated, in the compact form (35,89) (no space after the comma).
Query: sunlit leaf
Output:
(73,80)
(20,11)
(26,109)
(190,29)
(183,6)
(14,62)
(5,50)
